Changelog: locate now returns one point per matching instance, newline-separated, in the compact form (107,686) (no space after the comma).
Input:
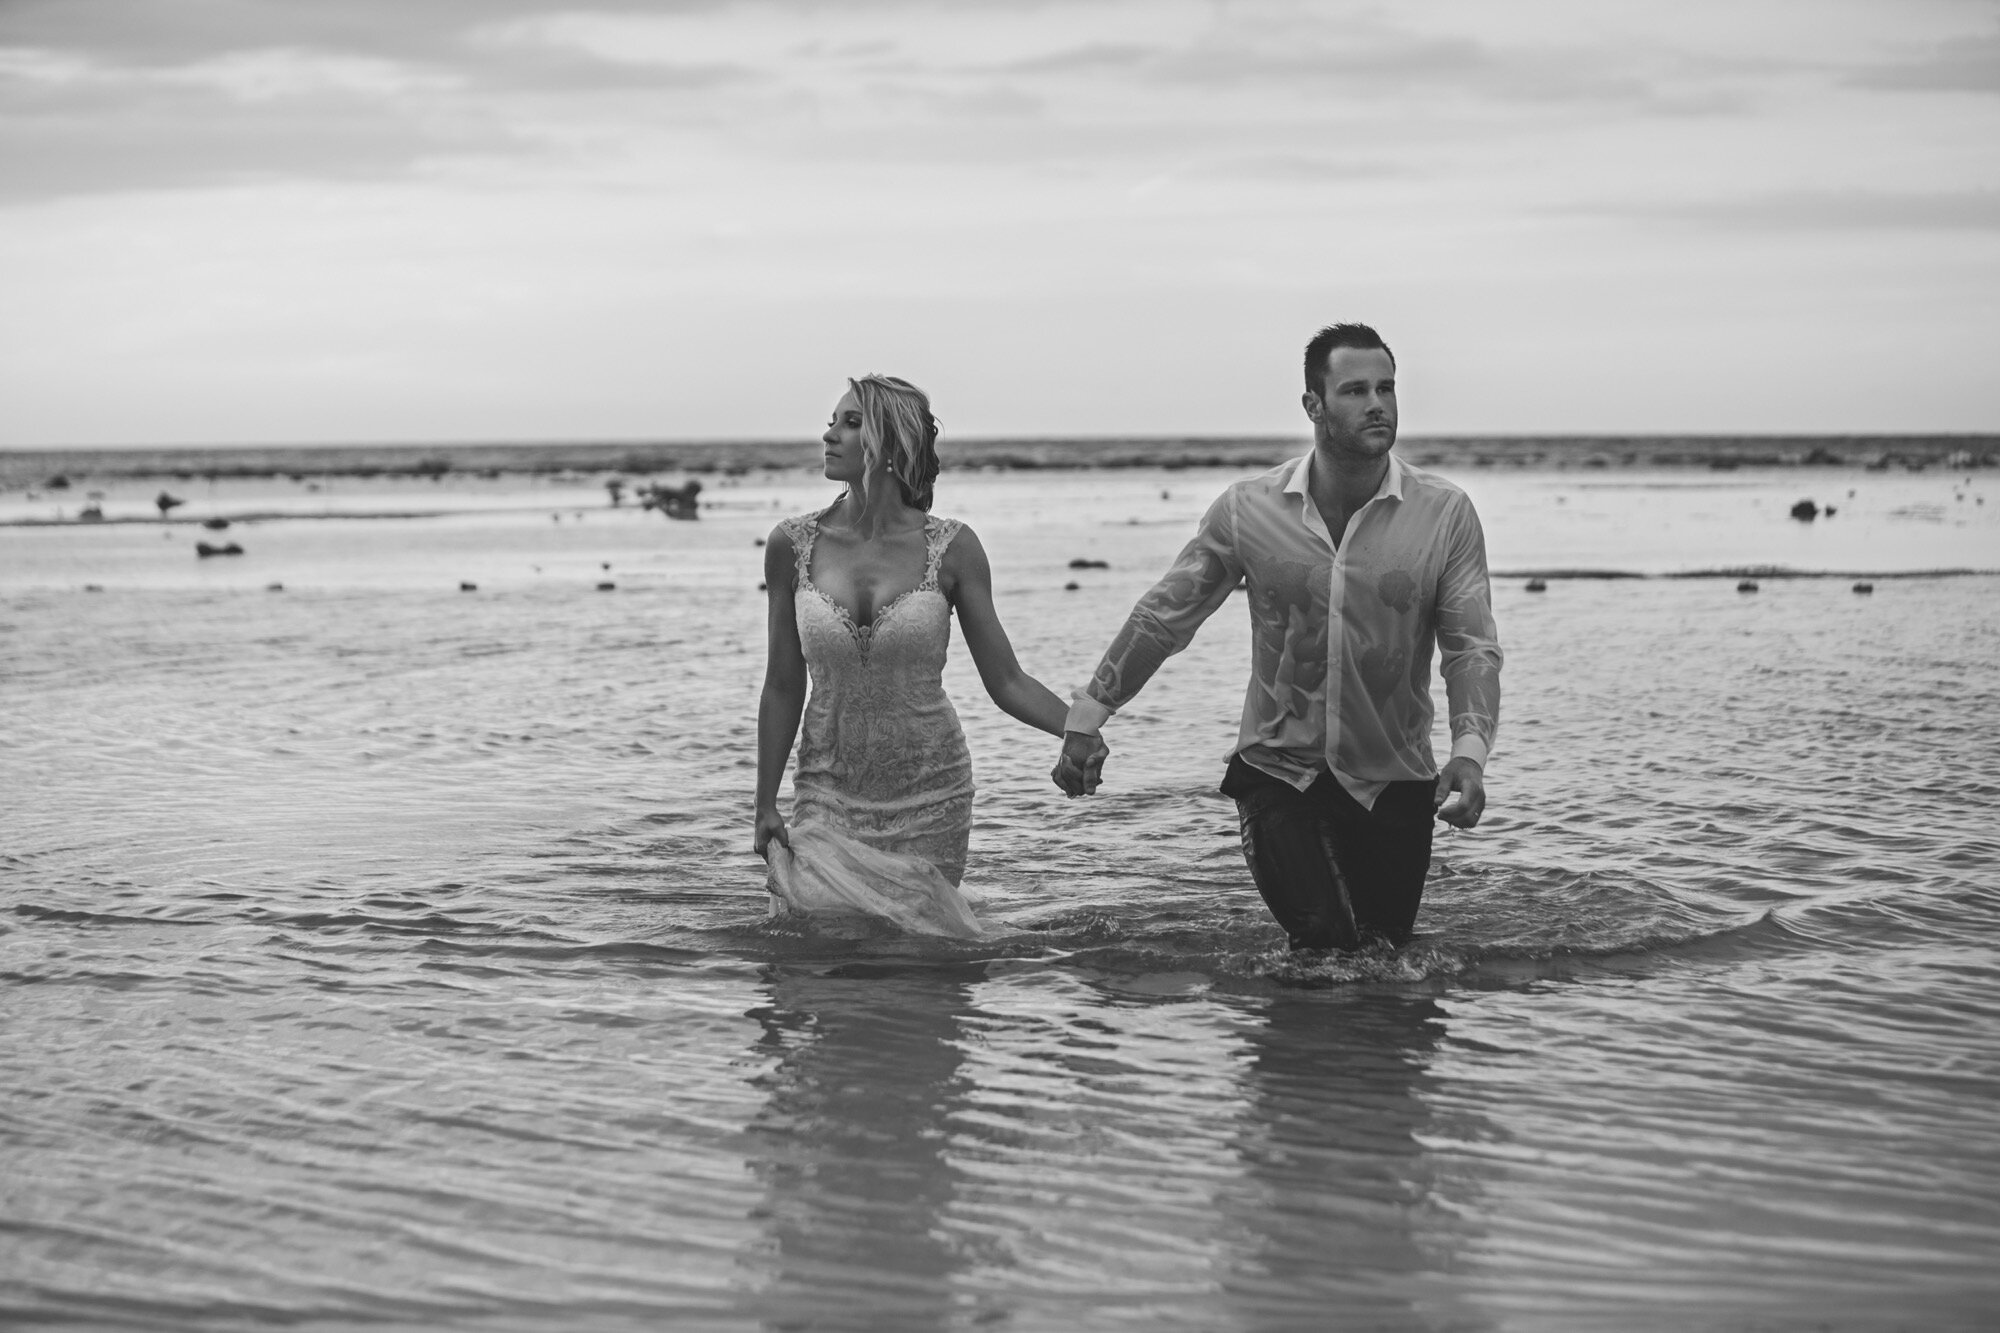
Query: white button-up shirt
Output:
(1409,573)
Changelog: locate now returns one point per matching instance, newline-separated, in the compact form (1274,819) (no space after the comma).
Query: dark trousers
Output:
(1334,872)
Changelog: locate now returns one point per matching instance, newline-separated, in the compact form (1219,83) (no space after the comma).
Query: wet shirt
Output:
(1342,637)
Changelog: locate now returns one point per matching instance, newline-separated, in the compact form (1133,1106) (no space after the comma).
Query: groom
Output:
(1356,565)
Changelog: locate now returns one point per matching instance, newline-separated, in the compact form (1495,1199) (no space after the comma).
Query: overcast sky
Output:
(236,221)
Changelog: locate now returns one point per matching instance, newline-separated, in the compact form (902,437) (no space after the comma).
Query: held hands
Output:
(1081,766)
(770,828)
(1461,793)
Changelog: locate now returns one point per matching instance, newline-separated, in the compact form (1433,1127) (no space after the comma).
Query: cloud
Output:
(1369,59)
(1095,56)
(165,32)
(74,124)
(1304,168)
(1831,210)
(1968,65)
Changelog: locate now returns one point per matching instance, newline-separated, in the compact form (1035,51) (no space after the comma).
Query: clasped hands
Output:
(1081,766)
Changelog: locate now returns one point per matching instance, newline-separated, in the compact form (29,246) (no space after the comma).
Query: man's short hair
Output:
(1338,335)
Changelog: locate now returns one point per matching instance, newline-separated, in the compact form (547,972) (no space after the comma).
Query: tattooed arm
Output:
(1162,623)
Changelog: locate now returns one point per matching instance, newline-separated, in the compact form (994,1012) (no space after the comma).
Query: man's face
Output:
(1355,411)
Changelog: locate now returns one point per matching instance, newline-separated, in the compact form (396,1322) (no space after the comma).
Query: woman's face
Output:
(845,458)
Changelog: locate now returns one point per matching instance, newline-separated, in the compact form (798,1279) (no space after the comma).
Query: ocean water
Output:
(378,954)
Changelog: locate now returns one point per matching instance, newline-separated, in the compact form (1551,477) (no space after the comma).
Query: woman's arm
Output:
(968,581)
(784,697)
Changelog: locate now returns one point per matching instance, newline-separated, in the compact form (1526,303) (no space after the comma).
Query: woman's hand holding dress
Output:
(770,829)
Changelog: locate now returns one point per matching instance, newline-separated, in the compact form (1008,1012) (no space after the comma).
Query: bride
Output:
(861,598)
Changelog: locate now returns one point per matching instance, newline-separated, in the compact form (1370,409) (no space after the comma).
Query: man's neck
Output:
(1341,484)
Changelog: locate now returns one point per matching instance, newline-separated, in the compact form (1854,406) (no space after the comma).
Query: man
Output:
(1356,565)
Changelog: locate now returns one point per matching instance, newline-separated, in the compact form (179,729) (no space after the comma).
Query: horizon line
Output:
(766,441)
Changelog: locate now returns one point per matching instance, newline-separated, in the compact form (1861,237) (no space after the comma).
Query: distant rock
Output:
(607,586)
(467,585)
(1805,511)
(674,501)
(204,550)
(274,587)
(168,503)
(1071,586)
(1746,585)
(1082,562)
(93,587)
(215,524)
(56,483)
(1538,585)
(1864,587)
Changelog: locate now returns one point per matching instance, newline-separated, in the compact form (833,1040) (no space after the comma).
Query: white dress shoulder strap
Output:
(938,535)
(803,529)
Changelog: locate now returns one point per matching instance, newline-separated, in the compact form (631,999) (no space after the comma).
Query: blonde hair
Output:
(898,435)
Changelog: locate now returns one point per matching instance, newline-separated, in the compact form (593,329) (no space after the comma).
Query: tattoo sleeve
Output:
(1165,619)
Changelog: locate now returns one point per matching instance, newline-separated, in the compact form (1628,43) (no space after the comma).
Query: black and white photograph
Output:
(1056,666)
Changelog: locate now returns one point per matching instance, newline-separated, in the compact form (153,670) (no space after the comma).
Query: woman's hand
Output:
(770,828)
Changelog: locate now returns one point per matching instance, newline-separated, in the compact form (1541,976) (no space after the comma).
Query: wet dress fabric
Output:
(882,791)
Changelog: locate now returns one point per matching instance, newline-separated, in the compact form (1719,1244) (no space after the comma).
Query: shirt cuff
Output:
(1086,715)
(1469,746)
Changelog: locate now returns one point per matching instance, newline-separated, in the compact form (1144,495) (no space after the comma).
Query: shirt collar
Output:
(1299,483)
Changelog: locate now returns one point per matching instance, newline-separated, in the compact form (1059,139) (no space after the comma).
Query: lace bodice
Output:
(905,643)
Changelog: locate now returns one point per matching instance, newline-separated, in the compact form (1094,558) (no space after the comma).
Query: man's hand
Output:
(1081,767)
(1461,793)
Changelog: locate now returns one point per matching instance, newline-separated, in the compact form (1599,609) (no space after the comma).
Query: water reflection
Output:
(850,1144)
(1340,1201)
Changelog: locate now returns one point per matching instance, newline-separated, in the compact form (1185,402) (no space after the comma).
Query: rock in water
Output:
(1805,511)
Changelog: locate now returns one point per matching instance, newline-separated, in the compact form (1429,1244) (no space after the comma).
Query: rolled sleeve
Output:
(1086,715)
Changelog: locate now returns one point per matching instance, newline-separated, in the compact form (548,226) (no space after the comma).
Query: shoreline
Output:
(40,469)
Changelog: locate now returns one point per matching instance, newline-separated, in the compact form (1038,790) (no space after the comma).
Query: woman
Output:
(861,598)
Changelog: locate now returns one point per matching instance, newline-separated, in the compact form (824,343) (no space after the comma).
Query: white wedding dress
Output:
(882,795)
